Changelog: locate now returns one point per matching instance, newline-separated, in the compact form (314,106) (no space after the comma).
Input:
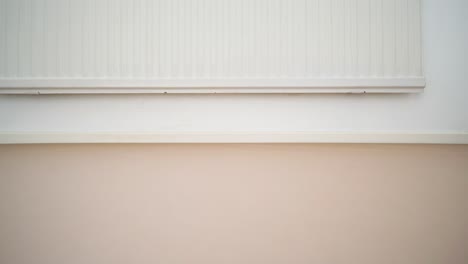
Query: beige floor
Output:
(95,204)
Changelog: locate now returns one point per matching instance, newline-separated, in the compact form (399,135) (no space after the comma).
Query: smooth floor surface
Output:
(212,204)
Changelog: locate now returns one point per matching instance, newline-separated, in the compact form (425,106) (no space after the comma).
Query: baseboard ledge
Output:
(235,137)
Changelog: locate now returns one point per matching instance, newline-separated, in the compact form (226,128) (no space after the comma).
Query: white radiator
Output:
(155,46)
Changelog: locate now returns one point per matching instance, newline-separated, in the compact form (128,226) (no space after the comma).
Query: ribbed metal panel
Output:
(174,40)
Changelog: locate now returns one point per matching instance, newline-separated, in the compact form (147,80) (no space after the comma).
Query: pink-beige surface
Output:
(94,204)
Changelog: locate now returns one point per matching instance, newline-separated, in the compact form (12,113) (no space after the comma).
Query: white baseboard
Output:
(240,137)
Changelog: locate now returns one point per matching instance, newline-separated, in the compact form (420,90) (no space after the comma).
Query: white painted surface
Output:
(231,86)
(260,137)
(442,108)
(244,44)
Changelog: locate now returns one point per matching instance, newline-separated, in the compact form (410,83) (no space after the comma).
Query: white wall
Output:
(442,107)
